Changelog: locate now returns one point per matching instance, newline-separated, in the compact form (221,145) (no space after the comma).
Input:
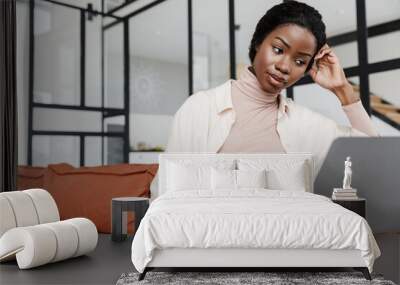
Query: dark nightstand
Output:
(357,205)
(119,208)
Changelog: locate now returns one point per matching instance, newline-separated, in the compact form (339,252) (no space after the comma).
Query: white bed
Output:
(280,224)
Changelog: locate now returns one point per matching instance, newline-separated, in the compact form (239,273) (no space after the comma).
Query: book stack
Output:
(344,194)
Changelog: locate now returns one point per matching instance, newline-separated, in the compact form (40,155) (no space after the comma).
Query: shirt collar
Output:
(224,99)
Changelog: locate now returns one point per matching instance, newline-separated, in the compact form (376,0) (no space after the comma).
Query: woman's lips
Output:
(275,81)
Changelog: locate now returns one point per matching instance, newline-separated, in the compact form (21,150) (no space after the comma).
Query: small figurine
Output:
(347,174)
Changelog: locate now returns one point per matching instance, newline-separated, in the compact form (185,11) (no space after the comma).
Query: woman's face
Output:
(283,57)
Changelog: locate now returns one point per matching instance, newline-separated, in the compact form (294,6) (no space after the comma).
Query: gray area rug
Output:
(229,278)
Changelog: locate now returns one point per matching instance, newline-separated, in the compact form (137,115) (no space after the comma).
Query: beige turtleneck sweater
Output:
(254,129)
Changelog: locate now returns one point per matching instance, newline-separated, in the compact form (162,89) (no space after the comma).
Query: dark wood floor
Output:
(102,266)
(110,259)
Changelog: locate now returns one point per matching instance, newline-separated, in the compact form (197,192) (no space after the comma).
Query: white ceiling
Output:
(161,32)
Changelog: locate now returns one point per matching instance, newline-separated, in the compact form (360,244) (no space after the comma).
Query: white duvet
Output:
(251,218)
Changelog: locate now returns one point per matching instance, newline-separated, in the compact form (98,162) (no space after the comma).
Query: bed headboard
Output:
(209,158)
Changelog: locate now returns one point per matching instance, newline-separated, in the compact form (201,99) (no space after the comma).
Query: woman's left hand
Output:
(327,72)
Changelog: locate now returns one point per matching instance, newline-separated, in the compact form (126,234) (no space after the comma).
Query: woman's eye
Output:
(300,62)
(276,49)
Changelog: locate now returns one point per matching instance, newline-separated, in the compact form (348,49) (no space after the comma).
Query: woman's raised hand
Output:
(327,72)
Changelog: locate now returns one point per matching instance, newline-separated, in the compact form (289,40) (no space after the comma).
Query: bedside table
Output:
(357,205)
(119,208)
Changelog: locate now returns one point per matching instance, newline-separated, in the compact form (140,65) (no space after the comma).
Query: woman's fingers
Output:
(323,50)
(326,54)
(325,47)
(322,53)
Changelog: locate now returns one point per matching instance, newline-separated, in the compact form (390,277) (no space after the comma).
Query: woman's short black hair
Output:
(291,12)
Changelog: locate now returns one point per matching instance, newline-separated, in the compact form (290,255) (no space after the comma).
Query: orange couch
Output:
(87,191)
(30,177)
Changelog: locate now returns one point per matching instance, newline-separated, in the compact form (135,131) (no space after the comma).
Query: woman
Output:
(250,114)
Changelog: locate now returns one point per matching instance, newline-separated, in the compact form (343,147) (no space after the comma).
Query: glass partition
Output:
(55,149)
(57,54)
(114,66)
(211,63)
(93,78)
(158,72)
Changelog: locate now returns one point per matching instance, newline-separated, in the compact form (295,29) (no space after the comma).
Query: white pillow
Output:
(251,178)
(185,177)
(281,174)
(237,179)
(287,179)
(223,178)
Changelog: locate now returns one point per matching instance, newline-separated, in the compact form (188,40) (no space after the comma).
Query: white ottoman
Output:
(31,232)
